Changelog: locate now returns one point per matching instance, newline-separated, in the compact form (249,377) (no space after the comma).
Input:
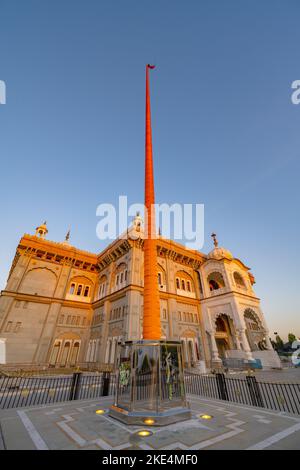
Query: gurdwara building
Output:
(64,307)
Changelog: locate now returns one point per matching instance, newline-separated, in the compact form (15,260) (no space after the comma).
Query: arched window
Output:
(185,284)
(120,276)
(213,285)
(54,354)
(72,288)
(239,281)
(79,286)
(102,286)
(65,353)
(215,281)
(220,324)
(74,353)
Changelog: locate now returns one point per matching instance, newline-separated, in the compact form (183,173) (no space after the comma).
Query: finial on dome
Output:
(41,231)
(219,252)
(66,241)
(214,237)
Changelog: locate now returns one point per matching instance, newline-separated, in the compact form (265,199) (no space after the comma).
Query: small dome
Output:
(66,243)
(43,227)
(41,231)
(137,222)
(219,253)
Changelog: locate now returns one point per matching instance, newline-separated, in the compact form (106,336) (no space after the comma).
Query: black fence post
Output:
(255,394)
(222,386)
(75,386)
(105,384)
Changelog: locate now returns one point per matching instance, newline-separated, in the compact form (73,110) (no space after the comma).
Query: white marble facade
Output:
(64,307)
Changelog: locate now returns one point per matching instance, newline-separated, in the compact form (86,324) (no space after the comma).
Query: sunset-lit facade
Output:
(64,307)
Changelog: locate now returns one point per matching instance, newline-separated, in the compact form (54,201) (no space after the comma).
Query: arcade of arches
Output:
(65,350)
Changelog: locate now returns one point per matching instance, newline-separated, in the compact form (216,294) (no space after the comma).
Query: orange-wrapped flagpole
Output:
(151,325)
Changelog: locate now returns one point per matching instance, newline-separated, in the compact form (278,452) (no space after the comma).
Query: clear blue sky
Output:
(225,131)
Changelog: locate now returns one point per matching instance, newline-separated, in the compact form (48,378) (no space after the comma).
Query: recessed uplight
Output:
(100,412)
(144,433)
(205,416)
(149,421)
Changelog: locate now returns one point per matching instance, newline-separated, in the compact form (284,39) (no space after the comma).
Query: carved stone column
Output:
(215,353)
(237,341)
(246,346)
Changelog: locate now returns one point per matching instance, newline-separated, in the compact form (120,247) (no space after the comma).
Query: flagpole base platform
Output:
(150,388)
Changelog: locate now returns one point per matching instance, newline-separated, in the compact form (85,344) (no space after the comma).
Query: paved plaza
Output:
(75,425)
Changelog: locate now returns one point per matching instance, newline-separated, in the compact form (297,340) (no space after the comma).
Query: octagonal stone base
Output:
(171,416)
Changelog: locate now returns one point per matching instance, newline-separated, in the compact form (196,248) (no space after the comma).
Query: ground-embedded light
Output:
(205,416)
(149,421)
(100,412)
(144,433)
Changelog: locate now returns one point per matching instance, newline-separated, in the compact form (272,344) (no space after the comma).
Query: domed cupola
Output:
(41,231)
(137,222)
(219,252)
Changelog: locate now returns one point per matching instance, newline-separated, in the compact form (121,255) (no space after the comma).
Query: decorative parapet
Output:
(60,253)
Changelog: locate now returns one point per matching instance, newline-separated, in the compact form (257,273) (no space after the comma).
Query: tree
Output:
(291,338)
(279,343)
